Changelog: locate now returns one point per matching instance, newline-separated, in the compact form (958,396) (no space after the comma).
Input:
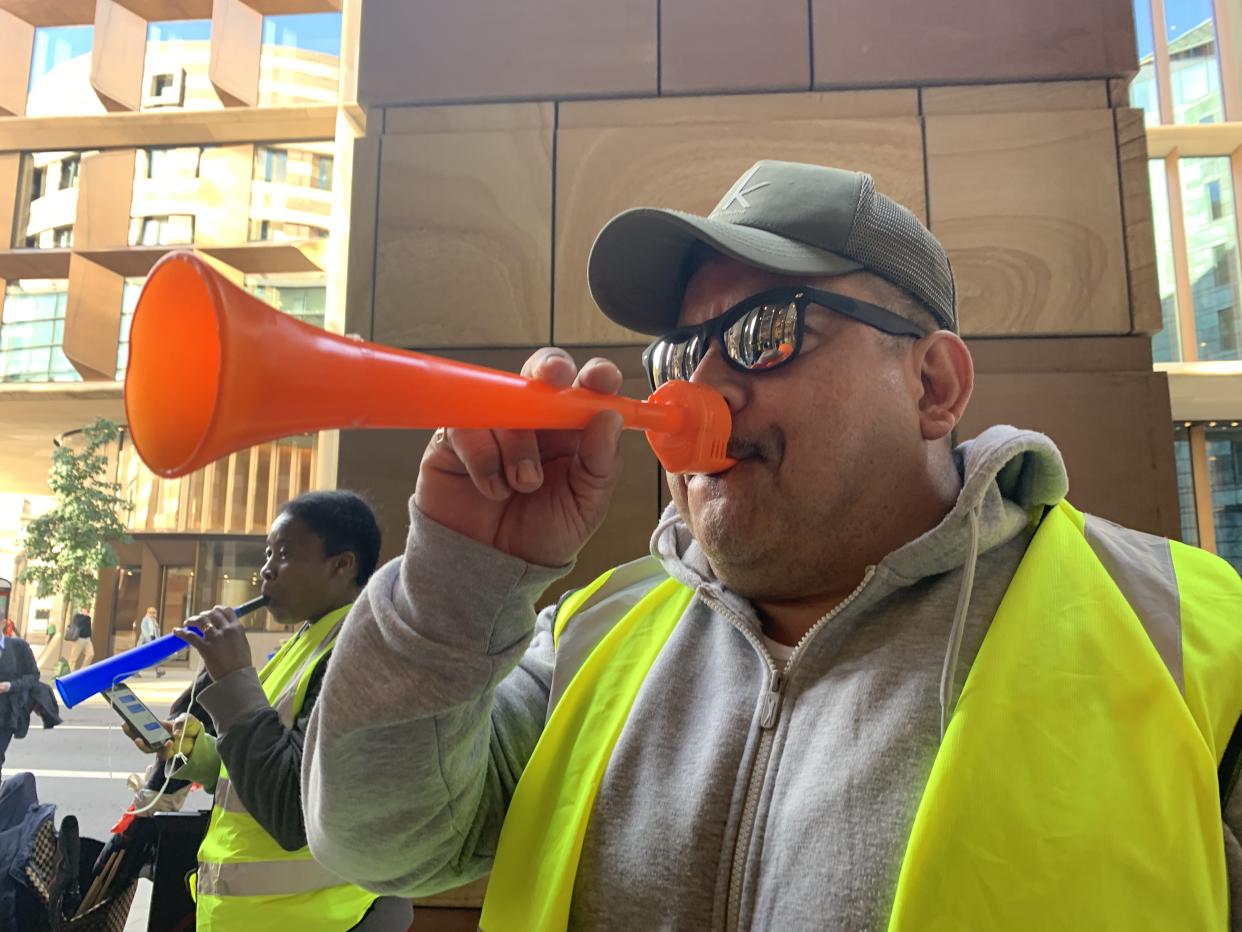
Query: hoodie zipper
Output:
(768,716)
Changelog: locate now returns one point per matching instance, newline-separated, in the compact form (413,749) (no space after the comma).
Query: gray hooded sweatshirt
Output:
(741,794)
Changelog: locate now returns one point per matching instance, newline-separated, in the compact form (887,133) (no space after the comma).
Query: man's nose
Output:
(267,572)
(714,372)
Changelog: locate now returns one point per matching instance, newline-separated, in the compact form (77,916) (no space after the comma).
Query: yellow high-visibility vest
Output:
(1076,786)
(246,881)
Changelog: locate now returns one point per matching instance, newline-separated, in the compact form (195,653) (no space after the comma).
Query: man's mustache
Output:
(768,445)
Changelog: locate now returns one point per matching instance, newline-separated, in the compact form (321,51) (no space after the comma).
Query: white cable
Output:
(177,761)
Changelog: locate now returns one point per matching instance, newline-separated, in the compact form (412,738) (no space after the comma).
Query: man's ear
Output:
(947,374)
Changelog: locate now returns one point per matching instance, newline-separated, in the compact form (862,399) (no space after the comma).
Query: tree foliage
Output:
(68,546)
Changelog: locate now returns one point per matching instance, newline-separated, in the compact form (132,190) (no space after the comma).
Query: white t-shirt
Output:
(780,652)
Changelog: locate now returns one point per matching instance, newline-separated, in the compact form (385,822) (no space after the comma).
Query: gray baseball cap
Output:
(784,217)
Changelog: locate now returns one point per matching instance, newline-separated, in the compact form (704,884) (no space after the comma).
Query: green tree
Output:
(68,546)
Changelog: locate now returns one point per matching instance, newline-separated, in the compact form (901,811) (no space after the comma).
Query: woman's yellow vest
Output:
(246,881)
(1076,785)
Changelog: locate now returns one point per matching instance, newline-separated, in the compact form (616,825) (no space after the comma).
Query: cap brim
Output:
(636,265)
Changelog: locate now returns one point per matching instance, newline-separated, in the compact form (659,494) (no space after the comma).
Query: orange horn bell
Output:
(213,370)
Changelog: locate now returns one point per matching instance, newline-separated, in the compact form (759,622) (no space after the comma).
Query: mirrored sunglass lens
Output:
(689,354)
(655,364)
(763,337)
(676,359)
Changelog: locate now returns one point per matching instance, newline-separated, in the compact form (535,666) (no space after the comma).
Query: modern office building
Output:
(1188,87)
(131,129)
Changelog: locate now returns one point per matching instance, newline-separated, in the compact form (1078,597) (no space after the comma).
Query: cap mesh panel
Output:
(891,242)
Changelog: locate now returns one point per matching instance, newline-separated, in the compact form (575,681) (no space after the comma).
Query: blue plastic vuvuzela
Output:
(79,686)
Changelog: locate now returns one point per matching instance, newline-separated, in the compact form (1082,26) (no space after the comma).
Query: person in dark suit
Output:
(19,675)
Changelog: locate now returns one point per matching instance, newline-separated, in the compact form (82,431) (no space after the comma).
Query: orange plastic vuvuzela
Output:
(213,370)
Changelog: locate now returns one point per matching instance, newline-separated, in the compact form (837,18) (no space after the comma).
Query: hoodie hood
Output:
(1008,475)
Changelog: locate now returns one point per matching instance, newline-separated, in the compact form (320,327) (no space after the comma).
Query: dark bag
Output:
(60,873)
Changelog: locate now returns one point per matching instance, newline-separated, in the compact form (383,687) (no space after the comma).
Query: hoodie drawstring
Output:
(949,673)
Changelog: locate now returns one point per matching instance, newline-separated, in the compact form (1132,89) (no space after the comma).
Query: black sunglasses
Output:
(761,333)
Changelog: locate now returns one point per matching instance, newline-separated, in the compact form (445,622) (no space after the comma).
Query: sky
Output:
(1180,15)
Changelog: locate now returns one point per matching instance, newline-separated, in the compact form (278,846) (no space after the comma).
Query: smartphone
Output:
(151,732)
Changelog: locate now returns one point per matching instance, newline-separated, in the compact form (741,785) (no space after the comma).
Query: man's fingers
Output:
(480,455)
(552,365)
(502,462)
(599,454)
(519,453)
(522,451)
(600,375)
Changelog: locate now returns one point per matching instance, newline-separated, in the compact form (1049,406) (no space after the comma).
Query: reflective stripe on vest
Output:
(224,797)
(246,880)
(1142,567)
(595,608)
(264,878)
(537,855)
(1075,787)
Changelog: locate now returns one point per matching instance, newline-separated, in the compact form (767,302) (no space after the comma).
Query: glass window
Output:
(167,230)
(1144,94)
(1166,346)
(129,301)
(25,334)
(291,198)
(1185,485)
(228,574)
(1213,191)
(278,231)
(271,164)
(1194,77)
(60,67)
(1212,255)
(311,32)
(323,172)
(47,201)
(300,296)
(176,596)
(179,30)
(125,609)
(69,168)
(169,164)
(175,67)
(302,166)
(299,61)
(31,332)
(1224,452)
